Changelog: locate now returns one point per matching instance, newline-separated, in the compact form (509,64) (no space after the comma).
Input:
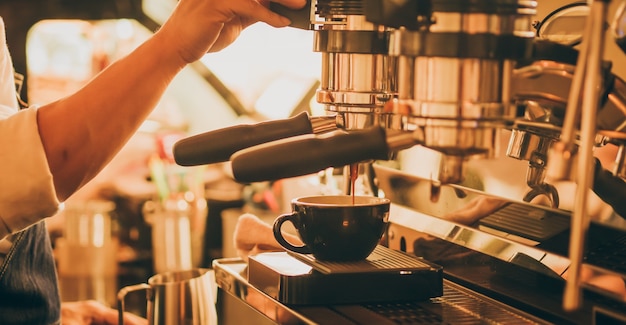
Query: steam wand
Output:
(561,161)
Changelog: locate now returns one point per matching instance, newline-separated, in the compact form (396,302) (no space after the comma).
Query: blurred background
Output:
(58,45)
(143,214)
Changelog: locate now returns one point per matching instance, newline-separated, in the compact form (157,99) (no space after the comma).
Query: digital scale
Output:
(386,275)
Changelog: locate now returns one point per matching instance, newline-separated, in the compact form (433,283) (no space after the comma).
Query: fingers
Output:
(293,4)
(257,10)
(95,313)
(200,26)
(132,319)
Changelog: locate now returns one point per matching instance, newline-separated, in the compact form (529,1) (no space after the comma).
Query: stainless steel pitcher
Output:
(176,298)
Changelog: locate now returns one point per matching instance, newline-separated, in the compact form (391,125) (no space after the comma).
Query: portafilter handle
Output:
(307,154)
(218,145)
(300,18)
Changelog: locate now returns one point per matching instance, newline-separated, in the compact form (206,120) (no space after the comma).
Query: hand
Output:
(200,26)
(91,312)
(129,88)
(610,188)
(475,210)
(253,236)
(609,282)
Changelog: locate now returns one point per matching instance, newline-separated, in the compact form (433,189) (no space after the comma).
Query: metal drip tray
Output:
(527,221)
(386,275)
(455,304)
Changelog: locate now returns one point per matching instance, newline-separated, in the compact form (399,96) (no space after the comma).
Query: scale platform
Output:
(386,275)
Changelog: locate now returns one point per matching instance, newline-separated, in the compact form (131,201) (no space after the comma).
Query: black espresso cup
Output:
(336,227)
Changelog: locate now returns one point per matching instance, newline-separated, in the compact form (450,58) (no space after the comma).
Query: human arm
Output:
(82,132)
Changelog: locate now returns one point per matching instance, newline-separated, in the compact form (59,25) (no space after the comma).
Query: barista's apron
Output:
(28,281)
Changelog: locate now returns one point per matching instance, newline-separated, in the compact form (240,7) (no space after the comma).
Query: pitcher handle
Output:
(122,294)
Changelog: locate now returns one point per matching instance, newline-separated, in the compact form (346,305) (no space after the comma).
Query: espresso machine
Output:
(420,95)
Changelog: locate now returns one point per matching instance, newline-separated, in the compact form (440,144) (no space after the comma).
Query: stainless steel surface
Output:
(176,298)
(439,220)
(564,25)
(543,88)
(533,147)
(357,74)
(459,217)
(231,278)
(412,73)
(457,99)
(323,124)
(517,275)
(458,305)
(87,253)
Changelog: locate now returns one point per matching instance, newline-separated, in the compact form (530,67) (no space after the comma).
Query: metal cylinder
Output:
(454,74)
(454,77)
(357,74)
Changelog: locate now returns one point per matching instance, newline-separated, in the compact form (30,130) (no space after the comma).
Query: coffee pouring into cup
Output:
(336,227)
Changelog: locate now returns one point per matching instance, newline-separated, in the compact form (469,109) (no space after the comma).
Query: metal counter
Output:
(239,301)
(505,263)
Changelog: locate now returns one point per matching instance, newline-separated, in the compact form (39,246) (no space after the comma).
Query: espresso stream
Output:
(354,174)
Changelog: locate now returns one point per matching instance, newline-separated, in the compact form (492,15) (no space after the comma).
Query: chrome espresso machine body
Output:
(424,95)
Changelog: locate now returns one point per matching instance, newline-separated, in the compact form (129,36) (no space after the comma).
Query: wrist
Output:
(165,45)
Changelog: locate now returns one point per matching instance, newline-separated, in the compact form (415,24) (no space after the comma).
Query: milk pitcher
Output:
(176,298)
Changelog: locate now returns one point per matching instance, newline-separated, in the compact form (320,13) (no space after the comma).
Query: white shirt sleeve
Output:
(27,193)
(8,99)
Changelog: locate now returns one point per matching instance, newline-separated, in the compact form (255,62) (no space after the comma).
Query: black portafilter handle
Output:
(218,145)
(309,154)
(300,18)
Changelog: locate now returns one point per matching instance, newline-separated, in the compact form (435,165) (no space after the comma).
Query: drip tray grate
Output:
(382,259)
(455,307)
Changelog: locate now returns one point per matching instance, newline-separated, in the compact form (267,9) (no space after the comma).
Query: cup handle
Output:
(278,224)
(122,294)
